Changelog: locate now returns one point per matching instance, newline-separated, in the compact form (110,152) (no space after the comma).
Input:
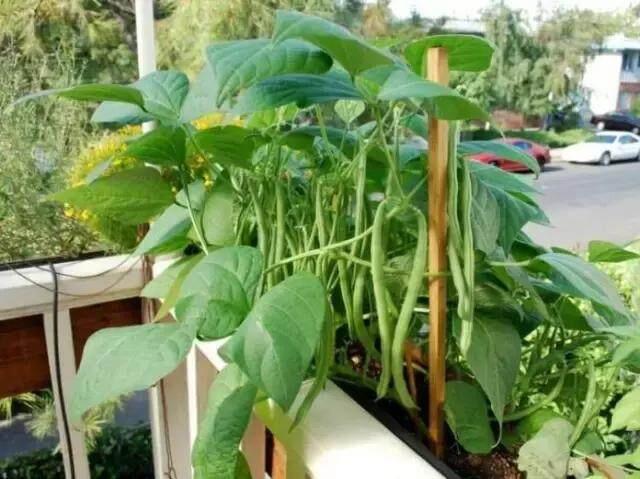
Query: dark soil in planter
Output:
(458,464)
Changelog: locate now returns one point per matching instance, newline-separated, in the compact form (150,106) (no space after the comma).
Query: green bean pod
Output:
(360,329)
(380,295)
(406,313)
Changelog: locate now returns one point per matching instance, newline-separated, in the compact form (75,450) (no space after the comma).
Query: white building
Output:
(612,76)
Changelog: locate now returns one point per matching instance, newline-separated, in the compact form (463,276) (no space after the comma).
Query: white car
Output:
(604,147)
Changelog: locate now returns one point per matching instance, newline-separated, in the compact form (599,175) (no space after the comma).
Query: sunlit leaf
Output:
(122,360)
(606,252)
(469,53)
(352,52)
(301,89)
(441,101)
(238,64)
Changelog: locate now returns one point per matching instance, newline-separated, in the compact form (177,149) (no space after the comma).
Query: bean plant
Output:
(305,254)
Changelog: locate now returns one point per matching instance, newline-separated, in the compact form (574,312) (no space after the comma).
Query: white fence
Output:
(337,440)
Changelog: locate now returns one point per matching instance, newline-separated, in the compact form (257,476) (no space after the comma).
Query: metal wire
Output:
(76,295)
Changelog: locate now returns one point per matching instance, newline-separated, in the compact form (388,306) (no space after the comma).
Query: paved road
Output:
(586,202)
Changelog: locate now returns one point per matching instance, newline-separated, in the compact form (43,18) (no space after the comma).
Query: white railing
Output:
(338,439)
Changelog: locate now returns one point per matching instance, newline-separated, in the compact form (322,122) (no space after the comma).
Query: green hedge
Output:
(549,138)
(119,453)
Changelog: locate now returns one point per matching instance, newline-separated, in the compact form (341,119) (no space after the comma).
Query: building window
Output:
(627,61)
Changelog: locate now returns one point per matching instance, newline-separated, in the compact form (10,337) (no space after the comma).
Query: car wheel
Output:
(605,159)
(600,125)
(542,164)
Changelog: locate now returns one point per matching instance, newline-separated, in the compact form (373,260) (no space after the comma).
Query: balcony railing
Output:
(338,439)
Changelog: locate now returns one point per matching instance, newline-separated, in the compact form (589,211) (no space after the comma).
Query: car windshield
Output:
(601,139)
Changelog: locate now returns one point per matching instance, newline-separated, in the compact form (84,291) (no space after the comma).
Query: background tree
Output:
(415,19)
(207,21)
(376,19)
(349,13)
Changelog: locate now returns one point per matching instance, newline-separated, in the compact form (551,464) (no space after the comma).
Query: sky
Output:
(471,8)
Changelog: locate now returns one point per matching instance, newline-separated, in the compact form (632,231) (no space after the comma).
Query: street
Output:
(586,202)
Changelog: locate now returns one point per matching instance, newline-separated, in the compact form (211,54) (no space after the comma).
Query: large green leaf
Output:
(465,408)
(275,344)
(201,99)
(441,101)
(216,451)
(546,455)
(241,63)
(302,89)
(123,360)
(92,92)
(167,286)
(219,215)
(485,218)
(502,150)
(169,231)
(218,292)
(164,146)
(132,196)
(118,113)
(163,93)
(352,52)
(606,252)
(229,144)
(468,53)
(500,179)
(626,413)
(575,277)
(493,206)
(494,358)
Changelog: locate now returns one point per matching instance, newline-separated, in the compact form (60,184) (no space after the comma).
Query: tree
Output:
(349,13)
(415,19)
(535,70)
(207,22)
(376,19)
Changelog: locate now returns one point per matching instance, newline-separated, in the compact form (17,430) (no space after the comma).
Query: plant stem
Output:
(196,226)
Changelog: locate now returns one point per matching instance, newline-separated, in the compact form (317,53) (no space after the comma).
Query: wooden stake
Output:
(437,68)
(279,467)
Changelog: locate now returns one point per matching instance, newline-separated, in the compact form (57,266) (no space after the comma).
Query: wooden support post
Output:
(437,68)
(74,453)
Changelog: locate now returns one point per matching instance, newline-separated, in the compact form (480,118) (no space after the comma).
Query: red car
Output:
(539,152)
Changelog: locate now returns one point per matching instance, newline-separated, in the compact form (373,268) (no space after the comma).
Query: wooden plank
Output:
(279,467)
(86,320)
(438,71)
(76,463)
(23,356)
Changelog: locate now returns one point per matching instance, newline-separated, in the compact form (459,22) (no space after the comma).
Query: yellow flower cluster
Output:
(110,148)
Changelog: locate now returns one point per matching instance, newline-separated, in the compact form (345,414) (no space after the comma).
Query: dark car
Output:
(539,152)
(617,120)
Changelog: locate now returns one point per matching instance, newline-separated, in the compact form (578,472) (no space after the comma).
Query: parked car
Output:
(617,120)
(604,147)
(539,152)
